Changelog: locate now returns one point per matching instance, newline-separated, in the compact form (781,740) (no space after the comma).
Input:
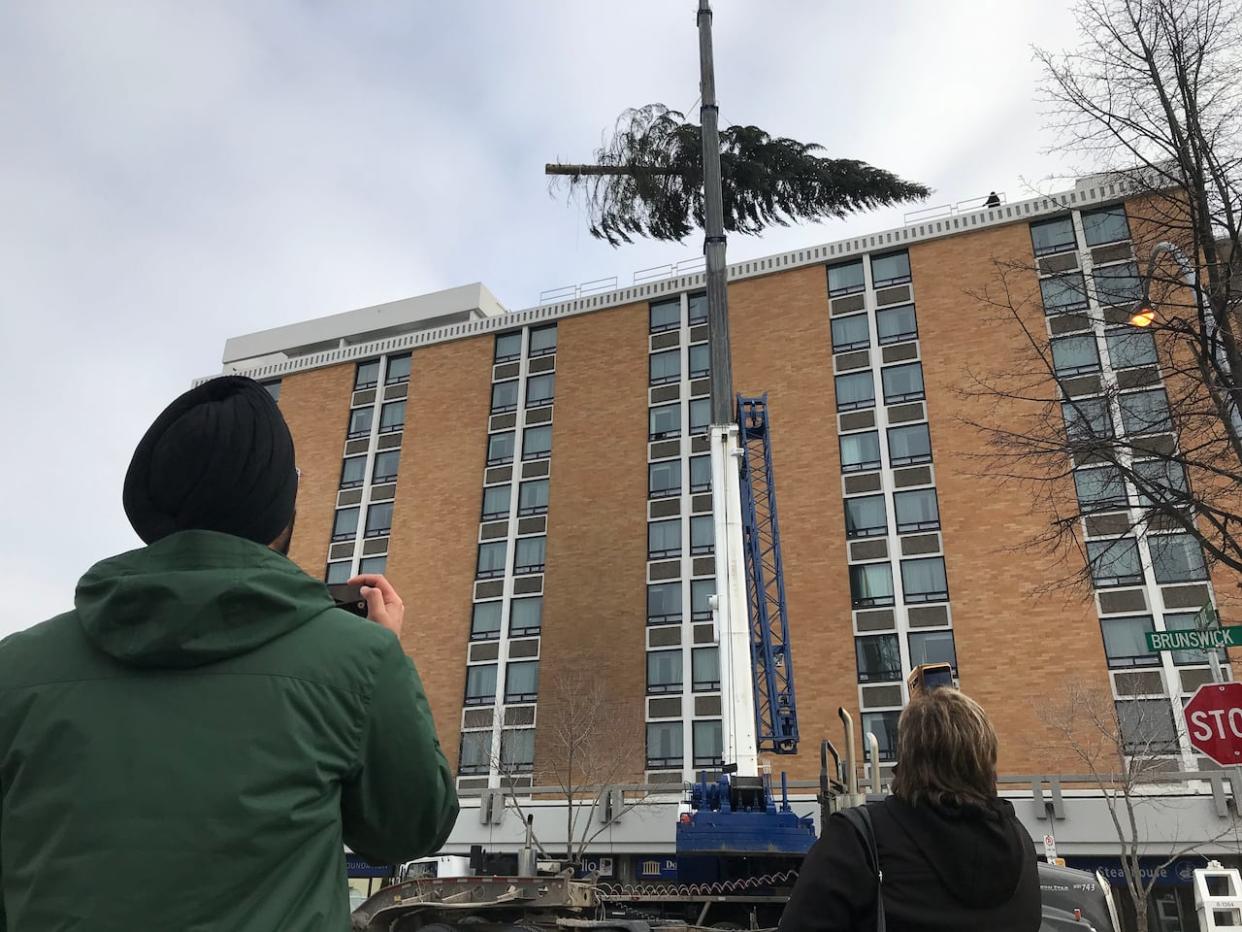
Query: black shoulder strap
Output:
(860,818)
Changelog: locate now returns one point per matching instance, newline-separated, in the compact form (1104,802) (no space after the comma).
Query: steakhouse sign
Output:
(1214,722)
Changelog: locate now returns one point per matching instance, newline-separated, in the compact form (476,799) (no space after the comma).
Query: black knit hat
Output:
(219,458)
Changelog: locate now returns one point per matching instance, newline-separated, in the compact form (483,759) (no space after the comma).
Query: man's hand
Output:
(384,606)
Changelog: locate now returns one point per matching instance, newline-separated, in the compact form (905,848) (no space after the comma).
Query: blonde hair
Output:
(946,751)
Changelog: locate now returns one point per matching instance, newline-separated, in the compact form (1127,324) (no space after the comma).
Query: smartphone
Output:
(349,598)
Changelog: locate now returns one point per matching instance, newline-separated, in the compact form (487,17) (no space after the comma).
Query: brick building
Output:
(535,484)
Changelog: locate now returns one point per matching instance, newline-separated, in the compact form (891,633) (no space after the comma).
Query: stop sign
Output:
(1214,722)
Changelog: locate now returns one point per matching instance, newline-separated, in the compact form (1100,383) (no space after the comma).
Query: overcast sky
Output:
(174,174)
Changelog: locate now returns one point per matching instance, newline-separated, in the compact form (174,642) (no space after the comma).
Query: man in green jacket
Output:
(194,744)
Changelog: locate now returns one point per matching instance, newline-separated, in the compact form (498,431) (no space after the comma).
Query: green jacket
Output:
(192,747)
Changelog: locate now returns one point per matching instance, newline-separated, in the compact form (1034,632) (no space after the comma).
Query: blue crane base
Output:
(735,829)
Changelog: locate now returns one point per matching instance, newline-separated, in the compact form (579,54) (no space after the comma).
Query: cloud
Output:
(177,174)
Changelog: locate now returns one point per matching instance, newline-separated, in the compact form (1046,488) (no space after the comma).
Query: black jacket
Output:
(945,869)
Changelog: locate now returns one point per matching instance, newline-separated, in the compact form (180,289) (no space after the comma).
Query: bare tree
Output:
(1124,746)
(590,752)
(1152,98)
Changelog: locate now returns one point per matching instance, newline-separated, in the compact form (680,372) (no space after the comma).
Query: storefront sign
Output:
(357,866)
(656,868)
(1180,872)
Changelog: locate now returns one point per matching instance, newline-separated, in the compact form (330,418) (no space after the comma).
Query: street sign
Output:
(1194,639)
(1214,722)
(1050,849)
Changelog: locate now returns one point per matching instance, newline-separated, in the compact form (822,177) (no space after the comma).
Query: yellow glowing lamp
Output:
(1143,316)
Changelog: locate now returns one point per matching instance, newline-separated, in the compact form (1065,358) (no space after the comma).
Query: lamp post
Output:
(1144,315)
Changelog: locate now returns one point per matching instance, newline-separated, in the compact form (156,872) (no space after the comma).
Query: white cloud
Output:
(176,174)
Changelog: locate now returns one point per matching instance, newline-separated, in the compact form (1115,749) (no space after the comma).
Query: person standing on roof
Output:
(952,856)
(193,745)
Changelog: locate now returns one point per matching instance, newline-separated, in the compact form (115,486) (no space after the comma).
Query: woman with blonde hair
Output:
(952,856)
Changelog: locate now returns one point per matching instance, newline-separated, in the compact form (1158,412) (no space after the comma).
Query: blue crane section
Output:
(776,709)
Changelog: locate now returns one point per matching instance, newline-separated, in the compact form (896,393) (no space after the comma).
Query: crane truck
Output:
(738,845)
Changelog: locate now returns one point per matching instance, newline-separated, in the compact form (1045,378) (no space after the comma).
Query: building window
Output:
(368,565)
(379,520)
(1087,419)
(1075,355)
(533,497)
(345,524)
(879,658)
(705,669)
(540,389)
(708,738)
(1124,642)
(664,479)
(700,473)
(1129,347)
(701,592)
(1051,236)
(664,745)
(496,502)
(1176,558)
(1117,284)
(884,726)
(530,554)
(398,370)
(1145,412)
(492,559)
(702,535)
(664,603)
(909,445)
(508,347)
(537,442)
(525,617)
(846,278)
(865,516)
(664,367)
(860,451)
(666,315)
(896,324)
(338,573)
(1063,293)
(890,269)
(700,359)
(902,383)
(1107,225)
(485,622)
(360,422)
(1100,489)
(367,374)
(1183,658)
(663,421)
(353,472)
(504,396)
(663,672)
(517,750)
(543,340)
(700,415)
(385,467)
(1114,562)
(698,308)
(1146,726)
(500,448)
(273,389)
(856,390)
(1161,483)
(923,580)
(916,511)
(522,681)
(663,539)
(392,417)
(871,585)
(850,333)
(476,753)
(481,684)
(932,647)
